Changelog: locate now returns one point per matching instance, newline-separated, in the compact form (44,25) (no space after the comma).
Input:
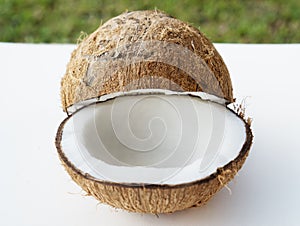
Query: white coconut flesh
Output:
(152,139)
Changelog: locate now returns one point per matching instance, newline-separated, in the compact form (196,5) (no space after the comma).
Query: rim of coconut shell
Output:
(76,92)
(241,157)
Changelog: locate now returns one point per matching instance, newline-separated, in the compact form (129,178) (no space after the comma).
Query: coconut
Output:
(149,128)
(132,33)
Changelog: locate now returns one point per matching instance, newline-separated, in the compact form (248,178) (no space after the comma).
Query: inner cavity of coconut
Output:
(157,139)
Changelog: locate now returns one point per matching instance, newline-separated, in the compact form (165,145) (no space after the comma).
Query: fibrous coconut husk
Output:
(175,56)
(176,50)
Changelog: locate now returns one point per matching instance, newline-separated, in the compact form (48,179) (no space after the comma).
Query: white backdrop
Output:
(35,189)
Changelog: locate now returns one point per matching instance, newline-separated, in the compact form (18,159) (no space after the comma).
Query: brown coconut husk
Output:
(132,28)
(86,78)
(156,198)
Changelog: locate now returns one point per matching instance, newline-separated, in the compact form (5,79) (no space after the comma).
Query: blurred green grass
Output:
(58,21)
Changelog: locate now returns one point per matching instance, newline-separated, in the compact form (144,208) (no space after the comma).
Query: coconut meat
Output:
(152,139)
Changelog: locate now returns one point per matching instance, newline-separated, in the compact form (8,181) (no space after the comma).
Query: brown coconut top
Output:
(144,50)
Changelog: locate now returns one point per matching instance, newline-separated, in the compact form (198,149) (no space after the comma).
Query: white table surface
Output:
(35,189)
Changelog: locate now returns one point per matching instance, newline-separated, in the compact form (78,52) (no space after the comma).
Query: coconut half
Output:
(148,127)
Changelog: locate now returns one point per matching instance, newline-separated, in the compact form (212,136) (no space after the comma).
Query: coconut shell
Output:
(147,50)
(98,65)
(156,198)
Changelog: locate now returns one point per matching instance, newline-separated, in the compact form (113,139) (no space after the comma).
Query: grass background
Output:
(61,21)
